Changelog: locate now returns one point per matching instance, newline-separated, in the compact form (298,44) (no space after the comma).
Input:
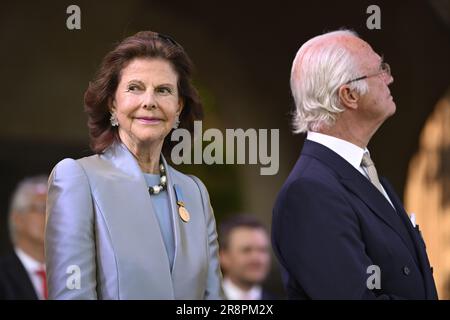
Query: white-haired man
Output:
(338,230)
(22,272)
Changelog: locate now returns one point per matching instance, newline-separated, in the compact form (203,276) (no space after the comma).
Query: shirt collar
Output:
(30,264)
(347,150)
(233,292)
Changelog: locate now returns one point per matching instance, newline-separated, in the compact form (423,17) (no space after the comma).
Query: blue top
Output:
(161,205)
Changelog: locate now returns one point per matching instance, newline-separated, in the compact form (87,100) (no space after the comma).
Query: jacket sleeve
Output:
(214,281)
(318,241)
(69,236)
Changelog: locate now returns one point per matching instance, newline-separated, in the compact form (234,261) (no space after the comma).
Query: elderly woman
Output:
(123,224)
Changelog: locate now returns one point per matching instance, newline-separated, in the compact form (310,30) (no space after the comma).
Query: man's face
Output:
(30,224)
(378,104)
(247,257)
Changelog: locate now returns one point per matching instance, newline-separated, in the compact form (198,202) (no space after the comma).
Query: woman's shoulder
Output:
(69,166)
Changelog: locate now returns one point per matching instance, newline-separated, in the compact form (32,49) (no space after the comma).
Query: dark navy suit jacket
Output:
(15,284)
(330,224)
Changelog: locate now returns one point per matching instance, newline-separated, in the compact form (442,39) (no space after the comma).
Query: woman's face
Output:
(146,101)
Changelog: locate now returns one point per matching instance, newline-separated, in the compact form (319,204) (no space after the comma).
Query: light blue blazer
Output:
(103,239)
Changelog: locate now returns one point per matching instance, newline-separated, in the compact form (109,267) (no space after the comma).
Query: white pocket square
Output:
(412,217)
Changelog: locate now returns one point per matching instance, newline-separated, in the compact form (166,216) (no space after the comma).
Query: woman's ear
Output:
(348,97)
(111,105)
(180,105)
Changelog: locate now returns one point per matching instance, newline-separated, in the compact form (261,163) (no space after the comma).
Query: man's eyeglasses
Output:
(384,68)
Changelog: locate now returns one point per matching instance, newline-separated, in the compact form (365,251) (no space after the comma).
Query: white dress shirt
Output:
(347,150)
(233,292)
(32,266)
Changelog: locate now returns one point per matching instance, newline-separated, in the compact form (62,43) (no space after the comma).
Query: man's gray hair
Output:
(22,197)
(322,65)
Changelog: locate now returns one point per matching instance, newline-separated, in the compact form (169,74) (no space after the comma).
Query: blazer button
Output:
(406,271)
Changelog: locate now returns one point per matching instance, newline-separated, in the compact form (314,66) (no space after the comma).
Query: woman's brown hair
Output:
(99,94)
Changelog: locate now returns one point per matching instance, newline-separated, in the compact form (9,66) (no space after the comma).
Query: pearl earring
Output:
(113,120)
(177,122)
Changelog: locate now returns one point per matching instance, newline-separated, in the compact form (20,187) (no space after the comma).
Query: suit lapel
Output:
(415,235)
(402,214)
(20,275)
(360,186)
(124,159)
(141,233)
(379,205)
(173,211)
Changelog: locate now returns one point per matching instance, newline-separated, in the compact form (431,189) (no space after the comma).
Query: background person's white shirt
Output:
(32,266)
(347,150)
(233,292)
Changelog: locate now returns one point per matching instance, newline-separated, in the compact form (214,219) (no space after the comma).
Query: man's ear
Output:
(348,97)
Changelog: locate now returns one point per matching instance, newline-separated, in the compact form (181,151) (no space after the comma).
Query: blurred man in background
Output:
(244,258)
(22,272)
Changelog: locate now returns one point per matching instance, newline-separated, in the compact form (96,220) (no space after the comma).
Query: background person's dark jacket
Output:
(15,284)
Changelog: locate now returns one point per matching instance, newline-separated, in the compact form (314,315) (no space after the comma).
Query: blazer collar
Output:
(359,185)
(123,159)
(347,150)
(17,271)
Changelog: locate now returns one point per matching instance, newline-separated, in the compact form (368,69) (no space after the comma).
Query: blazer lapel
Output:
(419,243)
(173,211)
(129,196)
(190,266)
(368,193)
(16,270)
(403,215)
(359,185)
